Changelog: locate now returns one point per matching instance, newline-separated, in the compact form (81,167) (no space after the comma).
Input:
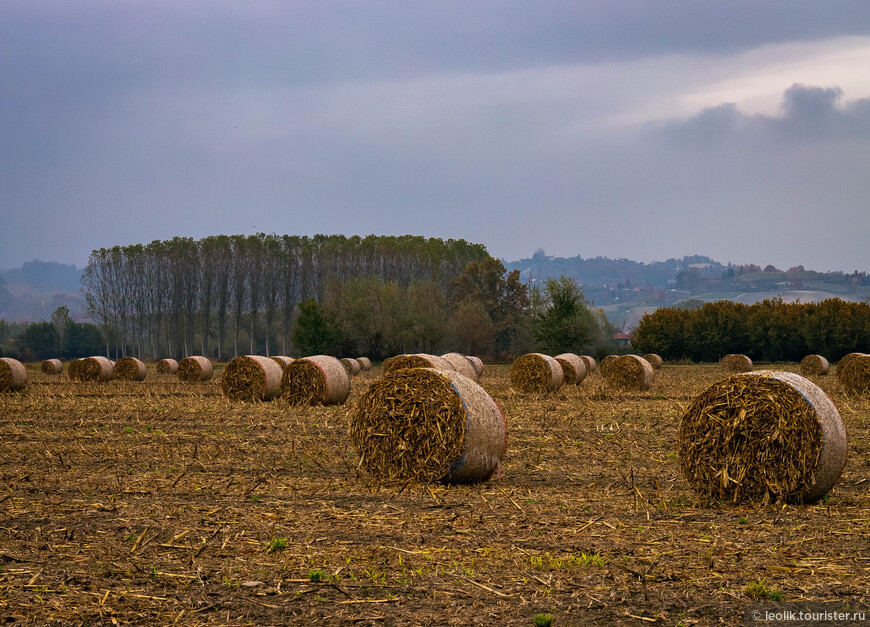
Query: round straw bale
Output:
(351,365)
(95,368)
(130,369)
(51,366)
(316,380)
(814,365)
(72,370)
(536,372)
(283,361)
(417,360)
(854,375)
(167,366)
(252,378)
(591,366)
(736,363)
(762,436)
(654,360)
(13,375)
(428,425)
(630,372)
(477,363)
(461,364)
(365,364)
(602,367)
(573,368)
(195,368)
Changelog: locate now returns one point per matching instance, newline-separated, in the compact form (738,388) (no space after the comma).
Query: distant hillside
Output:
(33,291)
(47,275)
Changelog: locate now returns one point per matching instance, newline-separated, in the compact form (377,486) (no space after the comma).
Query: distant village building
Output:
(622,339)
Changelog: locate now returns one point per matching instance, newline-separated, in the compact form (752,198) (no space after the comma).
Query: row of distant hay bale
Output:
(539,373)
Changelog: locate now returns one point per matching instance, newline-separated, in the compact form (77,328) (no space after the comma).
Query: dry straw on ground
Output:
(13,375)
(315,380)
(536,373)
(477,363)
(573,368)
(167,366)
(421,424)
(51,366)
(590,364)
(252,378)
(195,368)
(654,360)
(130,369)
(814,365)
(854,374)
(630,372)
(736,363)
(602,367)
(351,365)
(417,360)
(95,368)
(762,436)
(365,363)
(461,364)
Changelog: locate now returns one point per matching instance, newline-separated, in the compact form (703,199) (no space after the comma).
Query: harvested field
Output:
(162,503)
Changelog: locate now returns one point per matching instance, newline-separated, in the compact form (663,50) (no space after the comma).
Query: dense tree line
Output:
(62,338)
(770,330)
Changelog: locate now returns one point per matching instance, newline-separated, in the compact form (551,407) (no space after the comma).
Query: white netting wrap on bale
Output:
(316,380)
(51,366)
(167,366)
(252,378)
(130,369)
(195,369)
(13,375)
(351,365)
(95,368)
(573,368)
(477,363)
(629,372)
(365,363)
(536,373)
(461,364)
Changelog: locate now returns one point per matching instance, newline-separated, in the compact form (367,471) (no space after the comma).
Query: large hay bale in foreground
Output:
(630,372)
(195,369)
(602,367)
(351,365)
(316,380)
(13,375)
(252,378)
(96,368)
(167,366)
(854,375)
(762,436)
(589,362)
(461,364)
(477,363)
(736,363)
(573,368)
(536,373)
(365,364)
(51,366)
(654,360)
(814,365)
(130,369)
(417,360)
(427,425)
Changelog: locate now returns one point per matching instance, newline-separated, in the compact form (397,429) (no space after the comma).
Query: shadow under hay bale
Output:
(654,360)
(316,380)
(195,369)
(630,372)
(13,375)
(762,436)
(421,424)
(51,366)
(573,368)
(252,378)
(417,360)
(854,375)
(536,373)
(130,369)
(365,364)
(167,366)
(589,362)
(351,365)
(736,363)
(461,364)
(814,365)
(95,368)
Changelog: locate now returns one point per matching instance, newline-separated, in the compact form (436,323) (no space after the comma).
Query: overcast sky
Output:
(638,129)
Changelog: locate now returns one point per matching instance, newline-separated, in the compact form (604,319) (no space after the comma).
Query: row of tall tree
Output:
(770,330)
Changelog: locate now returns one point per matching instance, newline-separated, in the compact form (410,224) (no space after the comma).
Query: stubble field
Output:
(162,503)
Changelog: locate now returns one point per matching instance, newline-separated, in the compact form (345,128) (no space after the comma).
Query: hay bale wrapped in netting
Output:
(573,368)
(654,360)
(72,369)
(854,375)
(602,367)
(252,378)
(428,425)
(477,363)
(51,366)
(762,436)
(283,361)
(95,368)
(589,362)
(630,372)
(814,365)
(13,375)
(167,366)
(365,364)
(316,380)
(130,369)
(461,364)
(417,360)
(536,373)
(351,365)
(195,368)
(736,363)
